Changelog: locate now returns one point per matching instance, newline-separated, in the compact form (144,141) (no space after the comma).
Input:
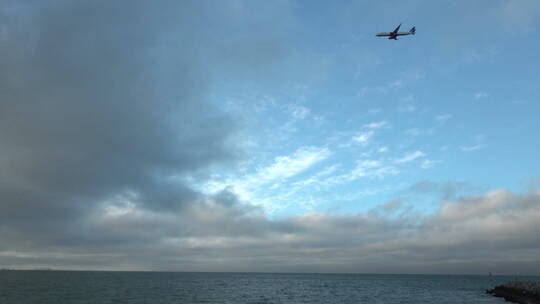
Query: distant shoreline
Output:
(283,273)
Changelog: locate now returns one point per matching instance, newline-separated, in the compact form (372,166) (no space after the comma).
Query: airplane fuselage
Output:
(391,35)
(395,33)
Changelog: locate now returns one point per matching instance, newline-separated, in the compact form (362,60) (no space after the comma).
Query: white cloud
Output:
(406,105)
(480,95)
(363,168)
(397,84)
(479,137)
(428,163)
(264,186)
(363,138)
(407,98)
(287,166)
(366,154)
(376,125)
(375,111)
(419,132)
(316,179)
(443,117)
(300,112)
(410,157)
(472,148)
(407,108)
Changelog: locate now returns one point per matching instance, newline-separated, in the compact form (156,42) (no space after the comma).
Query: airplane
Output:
(393,35)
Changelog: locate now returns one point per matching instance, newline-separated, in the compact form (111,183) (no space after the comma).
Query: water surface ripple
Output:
(20,287)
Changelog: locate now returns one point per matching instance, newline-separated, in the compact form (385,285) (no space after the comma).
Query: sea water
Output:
(184,288)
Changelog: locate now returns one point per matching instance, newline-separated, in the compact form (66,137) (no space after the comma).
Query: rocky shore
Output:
(518,292)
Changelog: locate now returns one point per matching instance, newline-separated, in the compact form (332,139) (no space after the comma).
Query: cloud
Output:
(363,169)
(396,84)
(410,157)
(264,187)
(300,112)
(376,125)
(363,138)
(287,166)
(428,163)
(472,148)
(99,107)
(419,132)
(519,14)
(445,190)
(105,112)
(443,117)
(375,111)
(406,106)
(318,177)
(496,231)
(480,95)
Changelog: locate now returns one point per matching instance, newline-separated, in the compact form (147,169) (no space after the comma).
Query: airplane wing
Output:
(397,29)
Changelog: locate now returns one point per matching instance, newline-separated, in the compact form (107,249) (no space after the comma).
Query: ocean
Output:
(44,287)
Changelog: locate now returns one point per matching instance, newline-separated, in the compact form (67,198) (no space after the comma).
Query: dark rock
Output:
(518,292)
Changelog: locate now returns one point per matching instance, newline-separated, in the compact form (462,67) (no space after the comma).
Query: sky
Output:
(270,136)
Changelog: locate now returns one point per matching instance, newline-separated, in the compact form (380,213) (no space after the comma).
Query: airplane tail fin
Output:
(413,30)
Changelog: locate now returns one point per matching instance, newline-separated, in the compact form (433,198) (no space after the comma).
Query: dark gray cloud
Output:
(100,99)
